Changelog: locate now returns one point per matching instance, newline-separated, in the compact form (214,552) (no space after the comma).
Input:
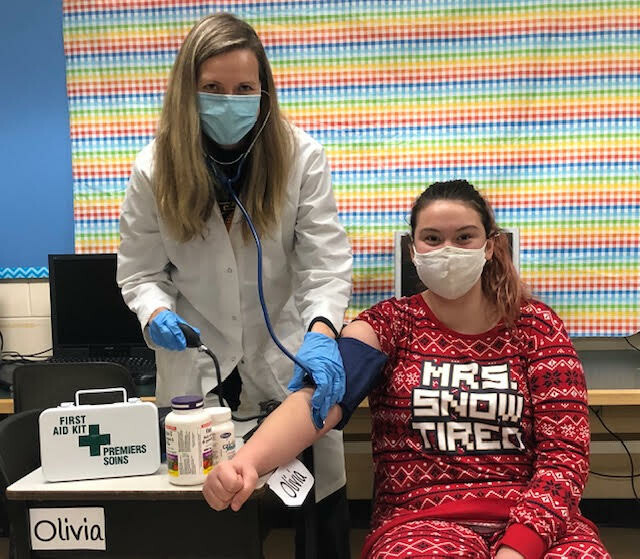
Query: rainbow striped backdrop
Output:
(536,102)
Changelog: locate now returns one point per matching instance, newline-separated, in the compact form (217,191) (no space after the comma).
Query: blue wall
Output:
(36,204)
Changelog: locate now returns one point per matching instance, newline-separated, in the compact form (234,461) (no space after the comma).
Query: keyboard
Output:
(142,369)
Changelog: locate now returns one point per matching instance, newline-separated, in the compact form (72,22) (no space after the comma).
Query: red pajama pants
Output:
(443,539)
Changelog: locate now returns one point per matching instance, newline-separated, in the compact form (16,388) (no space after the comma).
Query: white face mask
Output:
(450,271)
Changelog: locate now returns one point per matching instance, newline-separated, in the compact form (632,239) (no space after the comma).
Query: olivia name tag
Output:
(67,528)
(291,483)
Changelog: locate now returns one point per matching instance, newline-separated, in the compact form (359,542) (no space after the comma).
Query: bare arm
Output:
(286,433)
(283,435)
(362,331)
(289,429)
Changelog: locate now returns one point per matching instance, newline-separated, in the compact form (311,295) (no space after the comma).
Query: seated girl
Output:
(480,424)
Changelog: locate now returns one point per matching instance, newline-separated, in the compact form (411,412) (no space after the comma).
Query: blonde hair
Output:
(501,283)
(182,182)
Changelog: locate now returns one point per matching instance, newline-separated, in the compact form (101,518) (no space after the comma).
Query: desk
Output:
(145,516)
(614,397)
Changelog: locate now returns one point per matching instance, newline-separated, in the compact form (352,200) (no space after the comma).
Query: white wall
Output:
(25,315)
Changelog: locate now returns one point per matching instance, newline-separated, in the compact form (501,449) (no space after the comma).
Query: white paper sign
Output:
(67,528)
(291,483)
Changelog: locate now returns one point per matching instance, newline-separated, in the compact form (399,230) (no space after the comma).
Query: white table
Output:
(150,487)
(147,516)
(144,516)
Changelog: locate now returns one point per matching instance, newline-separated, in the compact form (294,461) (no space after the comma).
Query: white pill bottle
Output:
(223,434)
(188,432)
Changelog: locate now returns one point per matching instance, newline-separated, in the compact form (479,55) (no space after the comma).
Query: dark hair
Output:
(500,281)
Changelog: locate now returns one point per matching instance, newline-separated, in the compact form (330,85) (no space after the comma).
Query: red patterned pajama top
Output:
(463,422)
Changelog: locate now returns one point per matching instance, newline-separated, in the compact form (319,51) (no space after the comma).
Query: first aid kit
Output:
(81,441)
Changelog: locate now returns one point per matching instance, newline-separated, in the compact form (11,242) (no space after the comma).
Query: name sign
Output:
(291,483)
(67,528)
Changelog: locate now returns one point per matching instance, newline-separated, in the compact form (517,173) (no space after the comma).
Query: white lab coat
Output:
(212,284)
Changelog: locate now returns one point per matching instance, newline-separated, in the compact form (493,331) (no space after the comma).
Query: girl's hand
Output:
(230,483)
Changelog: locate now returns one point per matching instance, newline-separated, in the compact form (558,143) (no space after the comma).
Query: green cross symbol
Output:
(94,440)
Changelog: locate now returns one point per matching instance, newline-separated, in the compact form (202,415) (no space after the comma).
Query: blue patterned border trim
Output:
(28,272)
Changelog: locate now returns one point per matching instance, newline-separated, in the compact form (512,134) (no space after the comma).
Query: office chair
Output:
(45,385)
(19,455)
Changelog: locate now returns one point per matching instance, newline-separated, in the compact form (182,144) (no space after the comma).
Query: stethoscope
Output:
(193,340)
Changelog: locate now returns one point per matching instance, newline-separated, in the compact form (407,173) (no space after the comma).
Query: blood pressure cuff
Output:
(363,366)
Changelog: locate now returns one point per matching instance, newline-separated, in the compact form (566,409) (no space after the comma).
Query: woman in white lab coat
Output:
(187,255)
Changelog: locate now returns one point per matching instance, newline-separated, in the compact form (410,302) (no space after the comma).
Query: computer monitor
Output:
(406,280)
(88,314)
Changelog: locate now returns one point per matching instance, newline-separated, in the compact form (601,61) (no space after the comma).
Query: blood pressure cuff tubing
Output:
(363,366)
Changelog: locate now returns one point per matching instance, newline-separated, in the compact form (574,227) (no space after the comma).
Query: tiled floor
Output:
(622,543)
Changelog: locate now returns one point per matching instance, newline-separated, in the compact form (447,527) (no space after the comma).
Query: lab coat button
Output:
(234,317)
(229,270)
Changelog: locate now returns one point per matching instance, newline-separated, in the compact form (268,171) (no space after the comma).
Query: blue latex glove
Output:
(166,333)
(320,354)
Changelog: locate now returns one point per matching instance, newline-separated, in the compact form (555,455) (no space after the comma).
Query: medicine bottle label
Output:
(224,446)
(189,449)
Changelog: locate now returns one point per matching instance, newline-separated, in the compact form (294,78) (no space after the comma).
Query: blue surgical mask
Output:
(226,119)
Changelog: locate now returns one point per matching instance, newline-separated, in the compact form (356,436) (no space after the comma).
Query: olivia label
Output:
(67,528)
(291,483)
